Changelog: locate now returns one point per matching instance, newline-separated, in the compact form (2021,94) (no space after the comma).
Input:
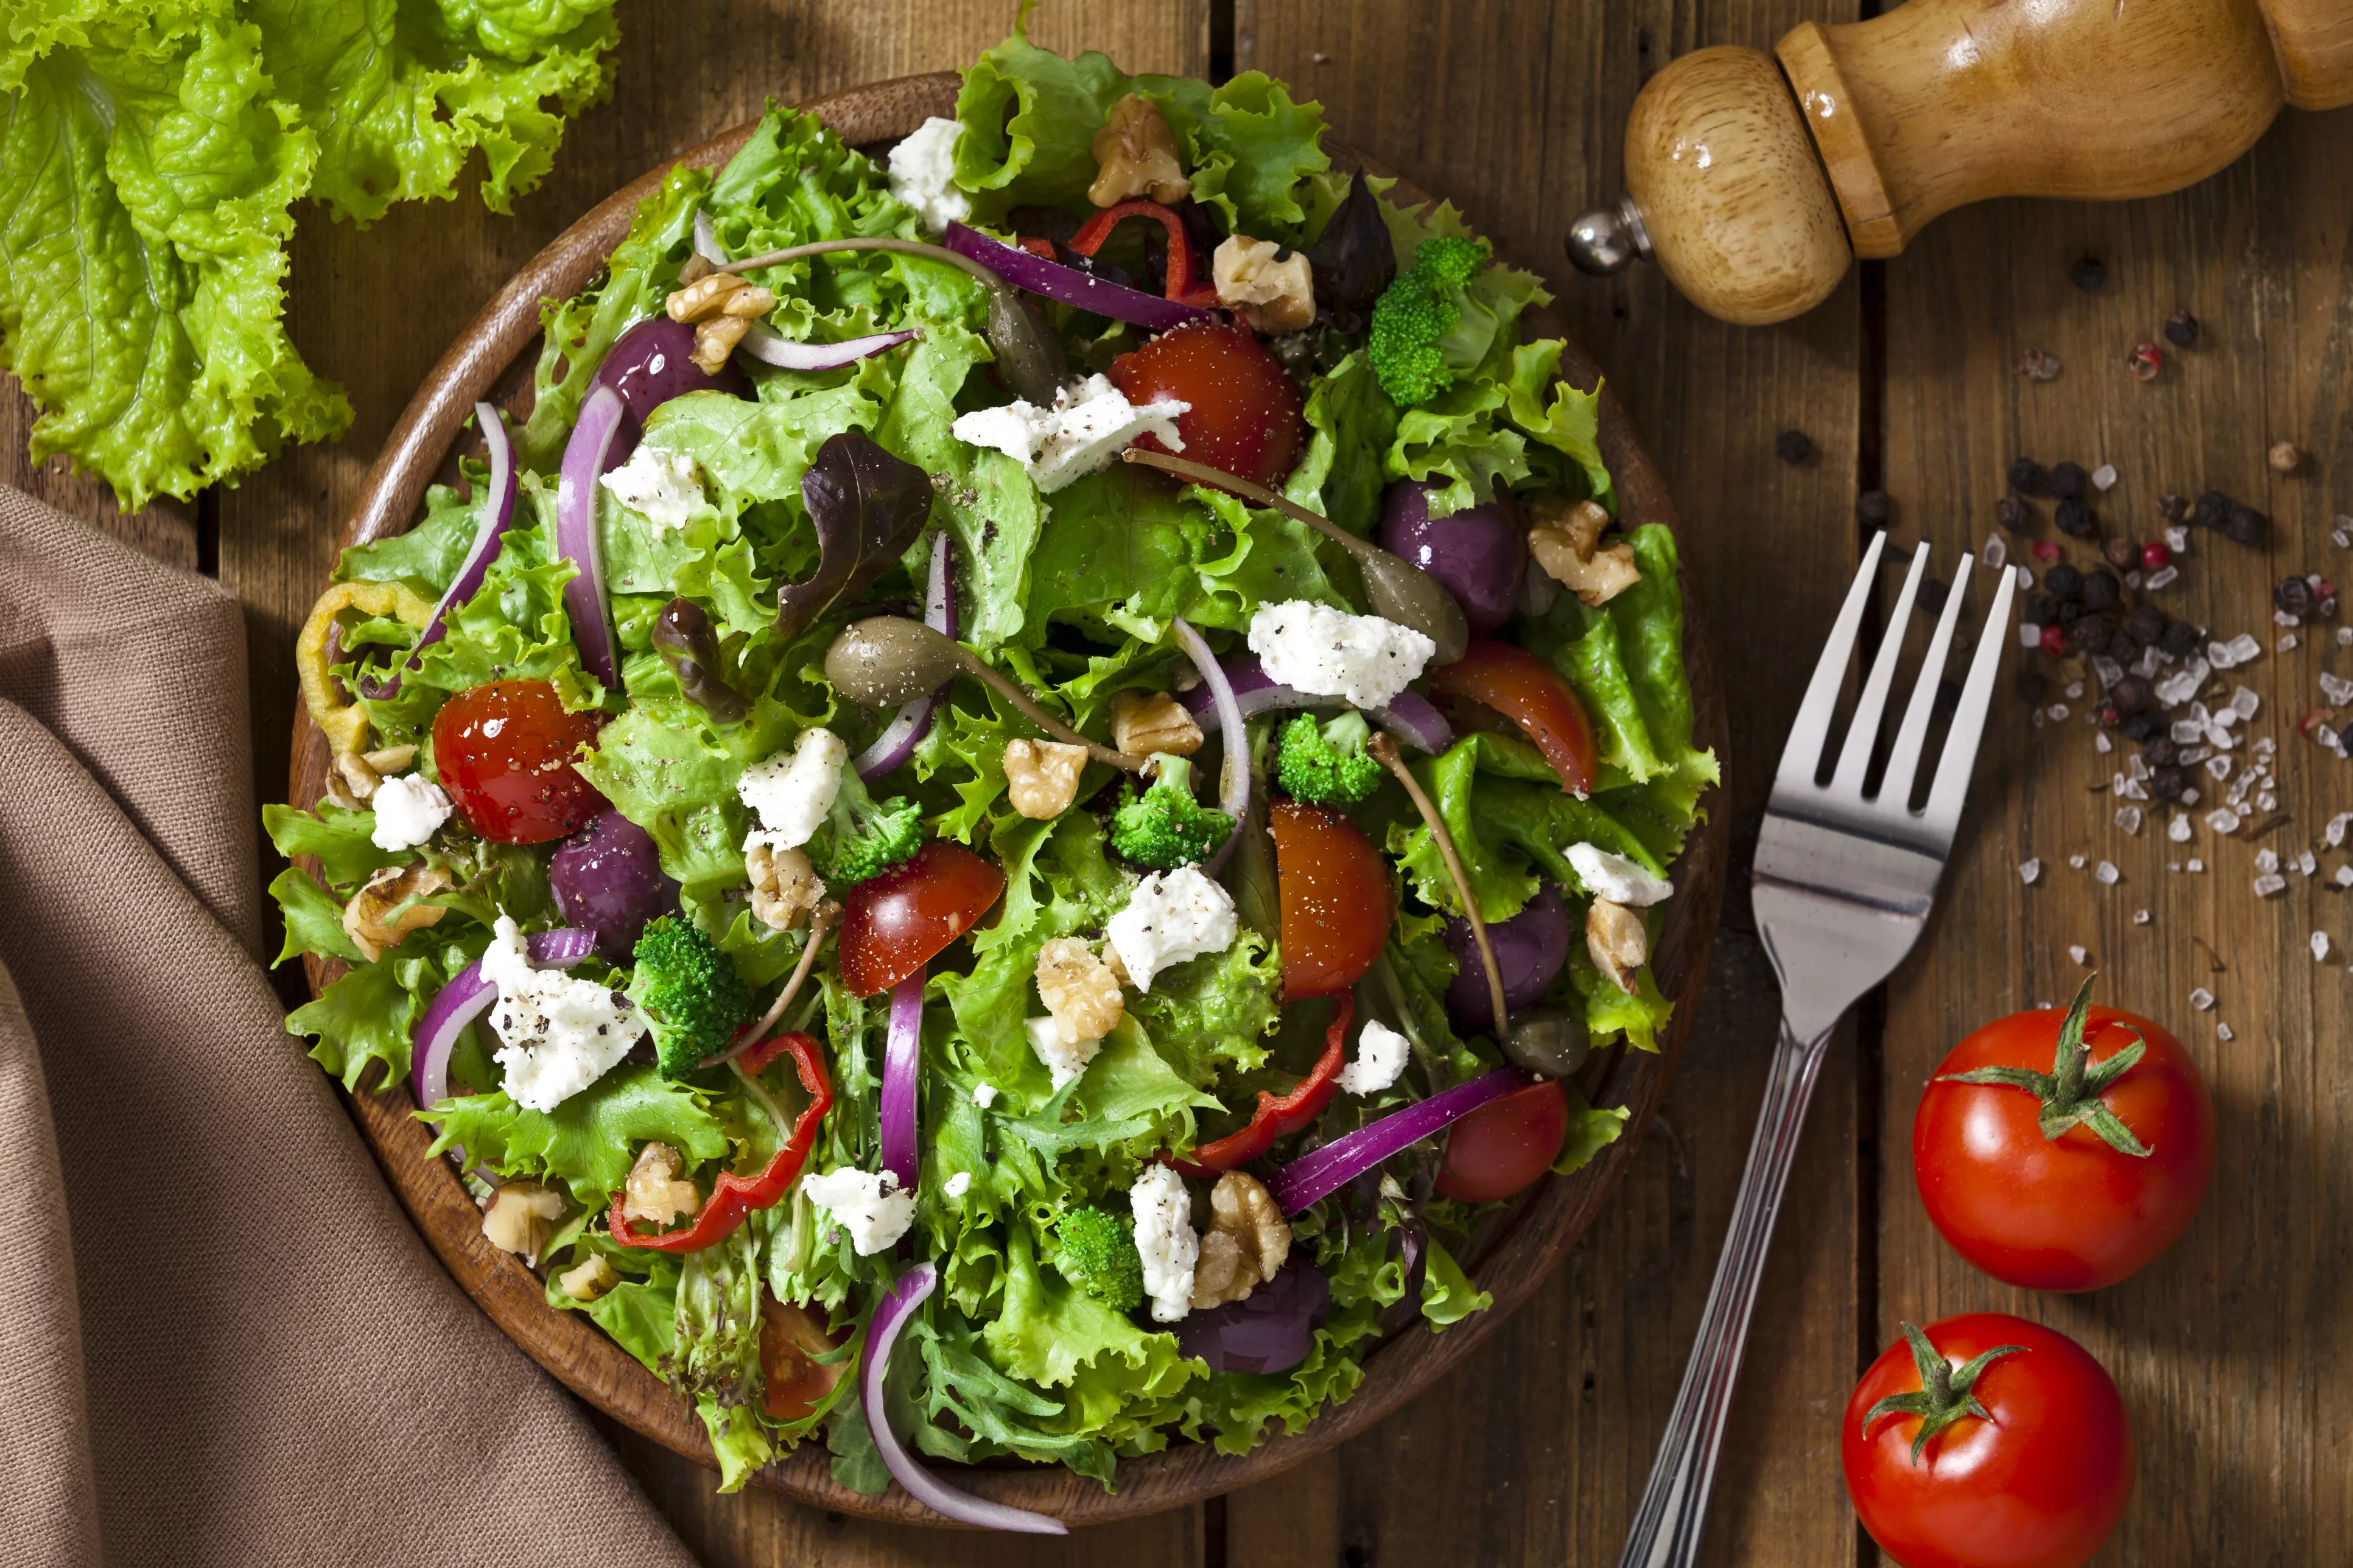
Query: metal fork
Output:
(1842,886)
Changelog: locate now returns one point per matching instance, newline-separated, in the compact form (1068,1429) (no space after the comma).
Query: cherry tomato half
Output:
(504,753)
(1505,1145)
(2039,1482)
(1531,694)
(2072,1213)
(791,1383)
(1333,888)
(893,923)
(1246,416)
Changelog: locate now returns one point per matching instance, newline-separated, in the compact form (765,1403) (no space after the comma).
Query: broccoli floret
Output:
(864,836)
(1327,764)
(689,991)
(1165,828)
(1425,329)
(1095,1250)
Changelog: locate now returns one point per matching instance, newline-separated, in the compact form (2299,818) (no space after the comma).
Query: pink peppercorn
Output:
(2054,640)
(2146,359)
(2044,550)
(2155,556)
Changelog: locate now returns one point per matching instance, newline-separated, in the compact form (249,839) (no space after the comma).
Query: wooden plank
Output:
(166,530)
(1538,1452)
(2221,1347)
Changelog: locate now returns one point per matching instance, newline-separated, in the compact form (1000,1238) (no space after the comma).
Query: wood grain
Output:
(2223,1346)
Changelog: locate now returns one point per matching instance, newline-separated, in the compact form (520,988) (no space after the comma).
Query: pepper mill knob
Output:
(1607,240)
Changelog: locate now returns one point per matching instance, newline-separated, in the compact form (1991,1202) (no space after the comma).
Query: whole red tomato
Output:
(2033,1178)
(2028,1459)
(1246,416)
(1505,1145)
(504,752)
(893,923)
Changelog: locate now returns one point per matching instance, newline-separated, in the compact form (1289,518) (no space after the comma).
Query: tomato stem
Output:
(2071,1090)
(1943,1395)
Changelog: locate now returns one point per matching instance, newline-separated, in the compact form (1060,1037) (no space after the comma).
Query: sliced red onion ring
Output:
(1340,1161)
(1234,779)
(1067,284)
(585,462)
(488,532)
(771,347)
(467,997)
(902,1061)
(909,1291)
(1410,717)
(906,731)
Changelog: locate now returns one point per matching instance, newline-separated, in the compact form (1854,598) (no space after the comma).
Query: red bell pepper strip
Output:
(734,1196)
(1186,284)
(1281,1117)
(1531,694)
(1036,246)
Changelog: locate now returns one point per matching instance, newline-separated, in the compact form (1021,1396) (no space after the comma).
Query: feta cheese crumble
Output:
(1380,1057)
(1170,917)
(867,1204)
(956,1186)
(792,795)
(984,1094)
(1090,423)
(923,174)
(663,488)
(1326,652)
(1164,1239)
(559,1032)
(1615,877)
(408,811)
(1065,1059)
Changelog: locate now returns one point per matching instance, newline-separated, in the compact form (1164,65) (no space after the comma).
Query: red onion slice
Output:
(1411,717)
(1234,779)
(585,462)
(1341,1161)
(909,1291)
(771,347)
(1415,719)
(902,1061)
(467,997)
(906,731)
(487,532)
(1067,284)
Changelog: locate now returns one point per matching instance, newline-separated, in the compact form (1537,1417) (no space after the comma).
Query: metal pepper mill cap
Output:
(1607,240)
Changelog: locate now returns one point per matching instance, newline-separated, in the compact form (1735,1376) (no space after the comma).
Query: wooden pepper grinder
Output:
(1751,184)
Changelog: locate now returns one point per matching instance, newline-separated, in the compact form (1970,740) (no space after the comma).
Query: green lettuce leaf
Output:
(588,1141)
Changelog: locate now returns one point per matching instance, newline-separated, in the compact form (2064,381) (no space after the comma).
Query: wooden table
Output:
(1905,380)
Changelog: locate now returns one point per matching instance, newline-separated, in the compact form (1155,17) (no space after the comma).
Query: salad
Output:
(1004,818)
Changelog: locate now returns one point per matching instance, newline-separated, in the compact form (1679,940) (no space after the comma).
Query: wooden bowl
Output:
(493,358)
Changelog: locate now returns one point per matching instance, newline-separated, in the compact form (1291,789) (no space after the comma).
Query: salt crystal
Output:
(2128,818)
(2337,825)
(2185,731)
(2076,861)
(2146,664)
(2201,998)
(2342,535)
(1995,554)
(2133,789)
(2286,643)
(2078,953)
(2227,717)
(2103,478)
(2336,689)
(2029,635)
(2132,579)
(2193,755)
(2197,668)
(2173,865)
(2344,875)
(2105,874)
(2244,647)
(2345,637)
(2308,863)
(2074,690)
(2190,797)
(2179,828)
(2222,738)
(2266,861)
(2176,539)
(2058,712)
(2287,618)
(2221,819)
(2163,577)
(2102,744)
(2196,866)
(2140,916)
(2028,870)
(2244,702)
(2173,690)
(2267,886)
(2218,766)
(2223,1032)
(2266,801)
(2107,669)
(2320,947)
(2218,655)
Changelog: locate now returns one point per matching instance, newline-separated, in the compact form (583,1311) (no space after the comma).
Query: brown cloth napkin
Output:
(226,1344)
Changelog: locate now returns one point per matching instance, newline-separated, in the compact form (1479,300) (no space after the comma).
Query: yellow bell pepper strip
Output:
(345,723)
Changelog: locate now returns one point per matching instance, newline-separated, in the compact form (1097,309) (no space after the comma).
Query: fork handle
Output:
(1666,1530)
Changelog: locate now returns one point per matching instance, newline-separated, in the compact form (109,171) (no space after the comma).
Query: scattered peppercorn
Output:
(2088,274)
(2140,727)
(2011,513)
(1933,592)
(2039,365)
(2041,609)
(2063,582)
(2156,555)
(2032,685)
(2066,480)
(2174,507)
(2070,612)
(2075,519)
(2026,477)
(2122,553)
(2163,751)
(2181,329)
(2101,589)
(2168,783)
(2179,641)
(2213,509)
(2146,624)
(2131,694)
(1873,508)
(2285,457)
(2294,595)
(2054,641)
(2093,634)
(2246,525)
(2146,360)
(2108,714)
(1792,446)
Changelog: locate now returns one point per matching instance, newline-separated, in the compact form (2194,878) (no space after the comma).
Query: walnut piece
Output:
(723,308)
(1265,284)
(1144,722)
(785,888)
(358,777)
(654,1190)
(1615,936)
(1246,1243)
(588,1280)
(1043,776)
(1079,990)
(1565,541)
(521,1218)
(369,919)
(1136,155)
